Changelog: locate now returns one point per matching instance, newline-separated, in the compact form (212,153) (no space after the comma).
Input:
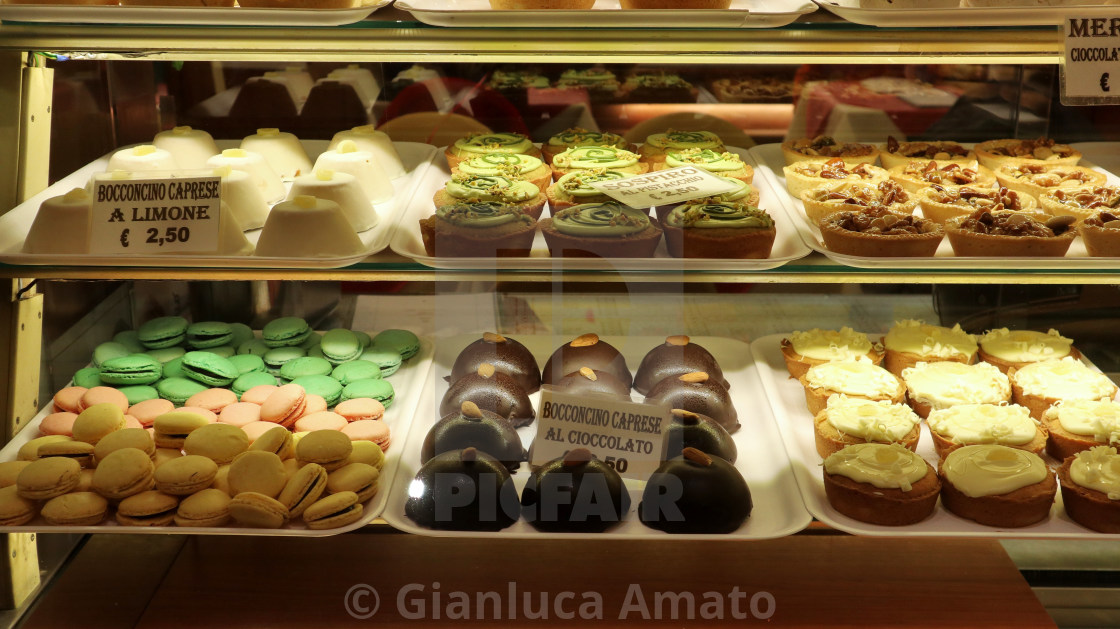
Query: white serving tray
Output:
(955,17)
(209,16)
(408,242)
(608,14)
(771,162)
(777,512)
(787,399)
(15,224)
(407,383)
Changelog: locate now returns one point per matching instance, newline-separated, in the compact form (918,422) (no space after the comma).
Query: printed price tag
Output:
(146,216)
(1091,68)
(664,187)
(628,436)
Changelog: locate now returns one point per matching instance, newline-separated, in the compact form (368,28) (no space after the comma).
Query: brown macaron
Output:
(47,478)
(81,508)
(356,477)
(123,473)
(258,510)
(328,448)
(147,508)
(185,475)
(79,451)
(304,487)
(259,472)
(334,511)
(218,442)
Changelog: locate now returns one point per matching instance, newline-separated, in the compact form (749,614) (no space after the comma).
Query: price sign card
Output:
(628,436)
(664,187)
(147,216)
(1091,67)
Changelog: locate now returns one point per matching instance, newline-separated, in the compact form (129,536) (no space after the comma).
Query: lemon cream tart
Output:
(709,228)
(511,165)
(970,424)
(595,157)
(941,203)
(1041,384)
(1006,348)
(997,486)
(526,197)
(940,385)
(1078,425)
(574,188)
(723,163)
(605,230)
(657,145)
(1038,179)
(1091,488)
(1045,151)
(911,341)
(477,144)
(802,176)
(854,378)
(804,349)
(478,229)
(880,484)
(577,137)
(846,421)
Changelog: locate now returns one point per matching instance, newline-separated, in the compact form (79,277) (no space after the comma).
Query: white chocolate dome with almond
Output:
(376,143)
(342,188)
(142,158)
(190,147)
(348,158)
(270,184)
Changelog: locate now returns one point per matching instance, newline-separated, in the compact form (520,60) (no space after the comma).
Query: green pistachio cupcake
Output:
(597,157)
(725,164)
(708,228)
(522,196)
(602,85)
(658,144)
(576,137)
(480,229)
(604,230)
(478,144)
(744,193)
(511,165)
(574,188)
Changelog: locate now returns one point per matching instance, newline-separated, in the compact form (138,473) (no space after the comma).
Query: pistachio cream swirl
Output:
(992,470)
(497,188)
(576,183)
(706,159)
(1098,468)
(742,190)
(681,140)
(710,214)
(595,157)
(582,137)
(493,143)
(886,466)
(599,220)
(480,214)
(505,164)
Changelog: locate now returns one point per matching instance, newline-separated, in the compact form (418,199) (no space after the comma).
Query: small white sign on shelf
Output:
(1091,67)
(664,187)
(154,215)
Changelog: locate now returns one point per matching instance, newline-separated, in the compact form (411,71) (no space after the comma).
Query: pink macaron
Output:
(147,411)
(255,429)
(259,393)
(104,395)
(210,415)
(132,422)
(323,420)
(284,405)
(213,399)
(314,404)
(240,414)
(69,399)
(360,408)
(368,430)
(61,423)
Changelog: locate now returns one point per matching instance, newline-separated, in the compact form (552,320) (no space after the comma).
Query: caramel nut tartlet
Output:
(1011,234)
(831,198)
(995,153)
(941,203)
(895,153)
(1081,203)
(802,176)
(1101,234)
(1038,179)
(915,175)
(823,148)
(877,232)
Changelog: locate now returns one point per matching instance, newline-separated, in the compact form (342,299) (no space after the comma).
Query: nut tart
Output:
(1101,234)
(1003,233)
(805,349)
(1038,179)
(1042,151)
(521,195)
(478,229)
(724,164)
(1077,425)
(1007,348)
(1010,425)
(944,384)
(1081,203)
(576,137)
(997,486)
(852,197)
(914,175)
(574,188)
(883,484)
(478,144)
(855,378)
(604,230)
(1040,385)
(802,176)
(941,203)
(823,148)
(1090,483)
(895,153)
(846,421)
(910,342)
(877,232)
(583,158)
(657,145)
(509,165)
(709,228)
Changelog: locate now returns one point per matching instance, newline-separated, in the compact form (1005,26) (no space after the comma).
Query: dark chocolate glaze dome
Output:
(491,391)
(474,427)
(587,380)
(698,393)
(693,430)
(436,495)
(575,493)
(586,350)
(677,356)
(696,493)
(505,354)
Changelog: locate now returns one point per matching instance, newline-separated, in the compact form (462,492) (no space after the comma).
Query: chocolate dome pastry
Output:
(575,493)
(592,381)
(473,427)
(463,490)
(695,493)
(505,354)
(491,391)
(675,357)
(698,393)
(692,430)
(586,350)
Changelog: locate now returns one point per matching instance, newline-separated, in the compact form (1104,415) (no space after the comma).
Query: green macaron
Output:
(324,386)
(305,366)
(163,332)
(247,381)
(340,345)
(247,363)
(285,331)
(388,360)
(379,390)
(139,393)
(131,370)
(240,334)
(363,338)
(404,342)
(173,368)
(209,369)
(131,340)
(313,340)
(179,390)
(108,351)
(207,334)
(87,377)
(225,351)
(166,354)
(256,347)
(275,358)
(356,370)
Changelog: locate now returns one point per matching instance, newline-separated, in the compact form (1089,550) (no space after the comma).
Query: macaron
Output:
(209,369)
(240,333)
(217,442)
(323,420)
(127,438)
(276,358)
(221,480)
(87,377)
(380,390)
(285,331)
(257,471)
(359,478)
(104,395)
(256,347)
(303,489)
(166,354)
(85,480)
(139,393)
(15,510)
(30,450)
(357,370)
(225,351)
(131,369)
(328,448)
(367,452)
(206,334)
(132,422)
(61,423)
(185,475)
(305,366)
(130,339)
(333,511)
(179,389)
(162,332)
(314,404)
(403,342)
(325,386)
(173,368)
(258,393)
(46,478)
(147,411)
(387,360)
(247,363)
(123,473)
(240,414)
(313,340)
(255,430)
(278,440)
(258,510)
(364,338)
(340,345)
(69,399)
(9,471)
(108,351)
(247,381)
(96,421)
(284,405)
(210,416)
(81,508)
(372,430)
(209,507)
(147,508)
(163,455)
(79,451)
(360,408)
(213,400)
(172,429)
